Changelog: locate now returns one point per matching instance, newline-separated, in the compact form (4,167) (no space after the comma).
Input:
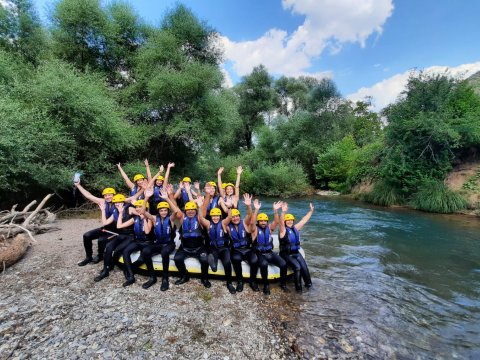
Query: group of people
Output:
(210,225)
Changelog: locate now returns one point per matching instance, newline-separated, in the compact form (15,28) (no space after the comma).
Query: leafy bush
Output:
(383,194)
(434,196)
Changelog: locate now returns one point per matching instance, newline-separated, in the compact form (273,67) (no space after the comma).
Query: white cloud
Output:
(328,24)
(227,80)
(387,91)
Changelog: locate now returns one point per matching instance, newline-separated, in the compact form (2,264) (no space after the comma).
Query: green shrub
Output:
(434,196)
(383,194)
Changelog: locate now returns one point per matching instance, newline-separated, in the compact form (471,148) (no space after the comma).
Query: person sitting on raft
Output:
(164,230)
(107,207)
(241,245)
(138,181)
(121,237)
(263,243)
(141,228)
(192,244)
(217,240)
(290,245)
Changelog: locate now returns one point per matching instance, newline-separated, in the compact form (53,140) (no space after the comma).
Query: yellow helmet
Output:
(215,212)
(187,179)
(262,217)
(138,177)
(160,177)
(213,183)
(139,203)
(289,217)
(109,191)
(118,198)
(235,212)
(163,205)
(190,206)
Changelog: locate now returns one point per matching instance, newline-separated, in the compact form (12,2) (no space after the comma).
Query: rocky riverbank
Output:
(51,308)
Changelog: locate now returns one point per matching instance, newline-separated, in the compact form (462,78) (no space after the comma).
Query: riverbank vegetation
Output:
(99,86)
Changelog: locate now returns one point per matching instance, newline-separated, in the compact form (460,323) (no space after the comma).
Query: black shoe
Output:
(165,285)
(266,289)
(152,280)
(239,286)
(231,288)
(284,288)
(182,280)
(129,282)
(206,283)
(298,289)
(308,286)
(97,259)
(103,274)
(254,286)
(84,262)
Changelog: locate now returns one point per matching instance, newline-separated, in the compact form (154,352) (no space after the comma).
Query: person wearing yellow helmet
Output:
(106,205)
(213,198)
(241,245)
(192,244)
(229,193)
(138,184)
(290,246)
(263,243)
(184,193)
(157,182)
(218,244)
(164,229)
(138,240)
(119,237)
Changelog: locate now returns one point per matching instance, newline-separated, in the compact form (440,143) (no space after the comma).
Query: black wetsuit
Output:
(218,249)
(289,250)
(193,245)
(99,234)
(140,241)
(163,244)
(264,249)
(242,250)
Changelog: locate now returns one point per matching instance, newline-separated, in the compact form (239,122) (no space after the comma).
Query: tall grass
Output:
(383,194)
(434,196)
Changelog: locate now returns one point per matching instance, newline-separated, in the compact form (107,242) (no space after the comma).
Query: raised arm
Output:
(276,206)
(148,194)
(227,220)
(87,194)
(219,182)
(257,205)
(188,188)
(120,223)
(237,182)
(307,217)
(105,221)
(151,180)
(167,173)
(282,219)
(147,168)
(223,205)
(129,183)
(247,200)
(204,222)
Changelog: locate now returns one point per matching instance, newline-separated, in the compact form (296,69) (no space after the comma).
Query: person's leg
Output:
(108,257)
(88,238)
(236,259)
(102,243)
(127,251)
(295,265)
(213,258)
(252,260)
(203,258)
(166,252)
(224,255)
(147,253)
(263,265)
(179,260)
(276,260)
(304,271)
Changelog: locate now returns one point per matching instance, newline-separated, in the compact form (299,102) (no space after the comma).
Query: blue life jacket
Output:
(164,233)
(156,194)
(264,239)
(134,190)
(240,238)
(191,227)
(109,209)
(293,237)
(213,203)
(139,228)
(184,196)
(217,235)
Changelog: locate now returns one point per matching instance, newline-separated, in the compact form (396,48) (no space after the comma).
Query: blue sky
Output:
(368,47)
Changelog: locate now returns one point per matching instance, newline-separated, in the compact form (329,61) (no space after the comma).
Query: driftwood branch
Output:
(9,227)
(35,212)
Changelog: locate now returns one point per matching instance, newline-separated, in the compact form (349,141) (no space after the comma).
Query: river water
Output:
(408,282)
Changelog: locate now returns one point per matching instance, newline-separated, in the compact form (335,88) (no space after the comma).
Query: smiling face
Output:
(163,212)
(216,219)
(140,182)
(236,219)
(263,223)
(108,197)
(229,190)
(190,213)
(119,204)
(159,182)
(289,223)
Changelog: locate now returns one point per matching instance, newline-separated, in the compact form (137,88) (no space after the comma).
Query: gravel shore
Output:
(51,308)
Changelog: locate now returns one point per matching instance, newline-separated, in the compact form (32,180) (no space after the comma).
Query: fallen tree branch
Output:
(9,226)
(35,212)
